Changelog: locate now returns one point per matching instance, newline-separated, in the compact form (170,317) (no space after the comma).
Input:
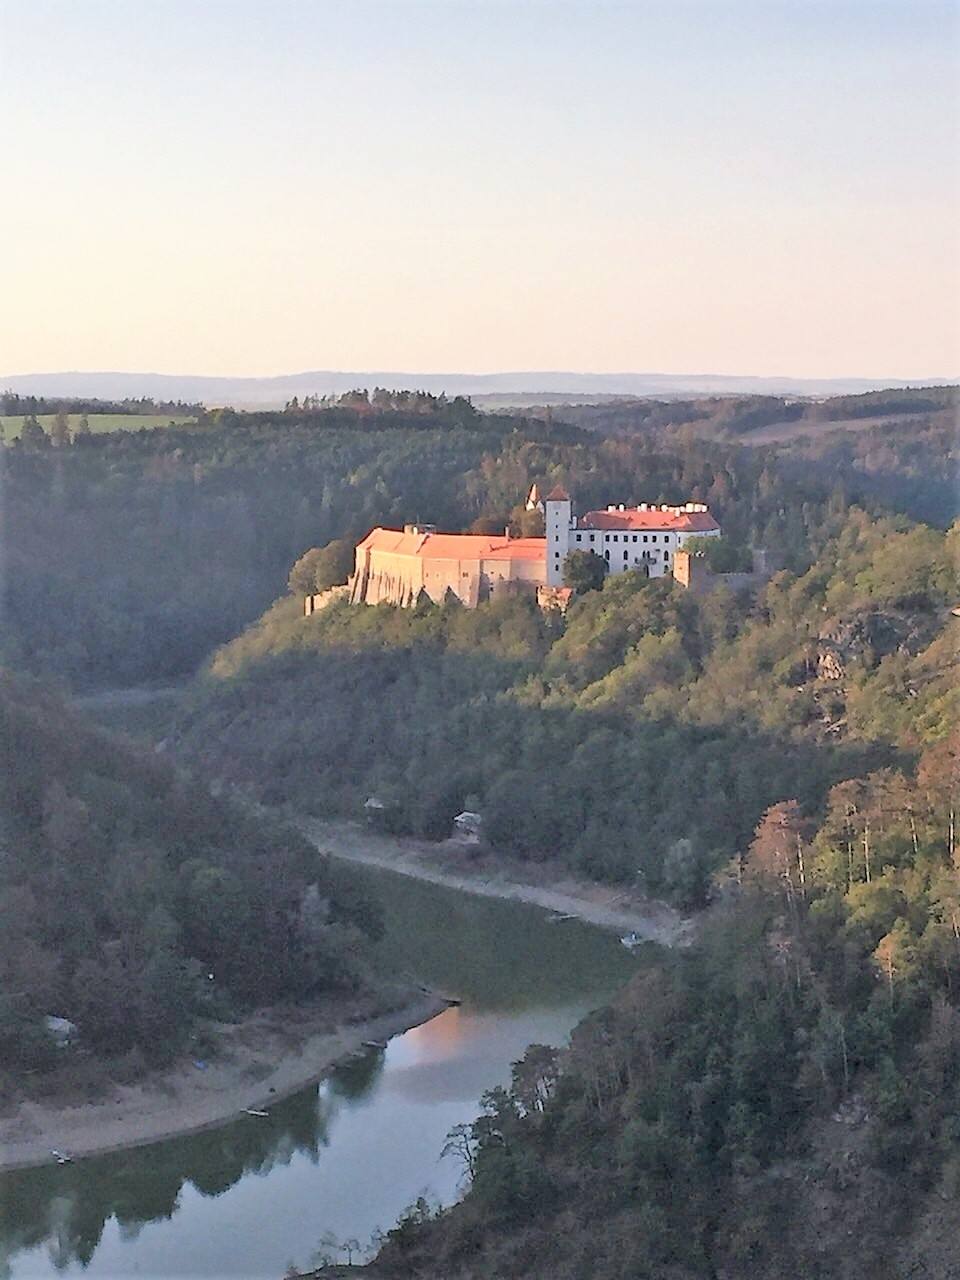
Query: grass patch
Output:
(99,422)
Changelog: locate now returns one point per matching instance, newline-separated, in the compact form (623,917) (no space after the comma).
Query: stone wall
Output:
(313,604)
(694,573)
(387,577)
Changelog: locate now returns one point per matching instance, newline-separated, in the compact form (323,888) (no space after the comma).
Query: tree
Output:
(776,854)
(895,953)
(721,554)
(60,429)
(83,427)
(334,563)
(32,434)
(534,1078)
(530,524)
(322,567)
(461,1143)
(584,571)
(489,525)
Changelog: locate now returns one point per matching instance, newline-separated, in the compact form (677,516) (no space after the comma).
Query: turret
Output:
(558,517)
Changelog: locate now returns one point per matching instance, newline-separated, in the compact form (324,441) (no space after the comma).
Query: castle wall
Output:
(381,577)
(694,573)
(397,578)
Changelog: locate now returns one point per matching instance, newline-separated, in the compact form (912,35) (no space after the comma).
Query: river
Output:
(344,1157)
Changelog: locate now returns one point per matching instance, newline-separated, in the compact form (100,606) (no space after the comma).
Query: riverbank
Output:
(492,876)
(259,1061)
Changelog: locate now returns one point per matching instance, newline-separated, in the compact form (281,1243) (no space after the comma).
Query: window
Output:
(591,537)
(634,537)
(645,537)
(653,537)
(625,553)
(606,555)
(579,538)
(616,538)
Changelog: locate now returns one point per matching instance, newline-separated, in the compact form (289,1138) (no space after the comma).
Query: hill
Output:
(130,555)
(782,1099)
(139,907)
(765,418)
(645,734)
(276,390)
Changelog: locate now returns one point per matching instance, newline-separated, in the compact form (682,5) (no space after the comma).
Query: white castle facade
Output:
(644,538)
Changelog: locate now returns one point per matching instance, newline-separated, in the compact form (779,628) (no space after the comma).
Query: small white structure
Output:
(466,827)
(643,538)
(62,1030)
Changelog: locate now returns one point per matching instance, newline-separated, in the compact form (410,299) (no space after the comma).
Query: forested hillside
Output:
(930,408)
(136,906)
(642,736)
(127,557)
(783,1100)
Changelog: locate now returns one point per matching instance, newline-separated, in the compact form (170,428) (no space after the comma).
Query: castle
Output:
(396,566)
(644,538)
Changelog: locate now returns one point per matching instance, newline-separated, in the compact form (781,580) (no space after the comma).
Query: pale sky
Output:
(265,186)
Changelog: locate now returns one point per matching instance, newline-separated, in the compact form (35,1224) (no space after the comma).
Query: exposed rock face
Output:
(829,662)
(867,638)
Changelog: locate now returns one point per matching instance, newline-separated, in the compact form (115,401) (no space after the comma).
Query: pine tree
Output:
(60,430)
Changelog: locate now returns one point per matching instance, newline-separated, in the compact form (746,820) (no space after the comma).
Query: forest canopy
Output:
(129,556)
(642,735)
(135,905)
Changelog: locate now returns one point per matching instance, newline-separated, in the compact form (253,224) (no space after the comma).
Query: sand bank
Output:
(493,876)
(274,1053)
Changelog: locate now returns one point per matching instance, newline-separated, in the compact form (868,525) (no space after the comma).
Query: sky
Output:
(696,186)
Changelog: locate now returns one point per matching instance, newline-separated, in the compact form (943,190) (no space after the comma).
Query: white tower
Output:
(558,515)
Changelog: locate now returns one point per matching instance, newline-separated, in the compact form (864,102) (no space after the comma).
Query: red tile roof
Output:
(558,494)
(674,520)
(455,546)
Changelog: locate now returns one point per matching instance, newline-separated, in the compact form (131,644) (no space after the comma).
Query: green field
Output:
(99,422)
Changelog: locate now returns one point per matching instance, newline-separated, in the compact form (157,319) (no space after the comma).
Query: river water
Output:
(344,1157)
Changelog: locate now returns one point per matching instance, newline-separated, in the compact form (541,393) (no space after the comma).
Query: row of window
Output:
(645,558)
(615,537)
(647,555)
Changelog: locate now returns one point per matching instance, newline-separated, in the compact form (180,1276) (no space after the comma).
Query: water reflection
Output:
(69,1205)
(348,1155)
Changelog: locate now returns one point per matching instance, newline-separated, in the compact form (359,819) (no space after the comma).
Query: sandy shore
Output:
(258,1061)
(279,1051)
(492,876)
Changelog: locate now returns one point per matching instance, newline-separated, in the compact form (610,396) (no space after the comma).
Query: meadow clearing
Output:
(99,422)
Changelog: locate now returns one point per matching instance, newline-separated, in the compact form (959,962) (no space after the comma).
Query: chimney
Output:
(506,533)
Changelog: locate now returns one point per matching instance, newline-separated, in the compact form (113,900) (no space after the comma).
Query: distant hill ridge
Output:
(275,391)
